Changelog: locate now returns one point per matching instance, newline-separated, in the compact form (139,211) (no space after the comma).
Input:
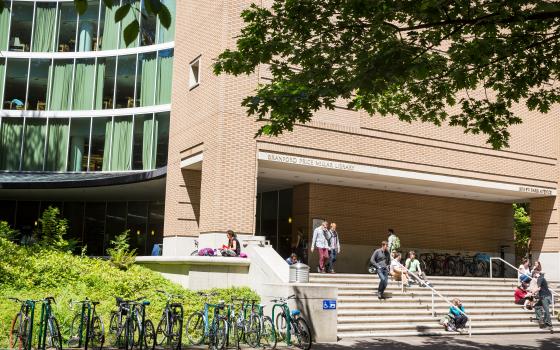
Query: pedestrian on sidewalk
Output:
(381,260)
(321,242)
(544,301)
(334,247)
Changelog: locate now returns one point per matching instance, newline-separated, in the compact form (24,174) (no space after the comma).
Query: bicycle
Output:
(86,320)
(21,331)
(135,331)
(199,328)
(266,336)
(49,330)
(170,326)
(246,328)
(235,322)
(291,322)
(195,252)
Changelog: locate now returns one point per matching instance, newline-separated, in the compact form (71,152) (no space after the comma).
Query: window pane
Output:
(74,212)
(146,81)
(38,84)
(68,19)
(148,29)
(155,224)
(57,144)
(94,228)
(87,28)
(133,15)
(143,157)
(27,217)
(22,20)
(79,144)
(162,126)
(8,211)
(45,24)
(105,83)
(34,144)
(109,35)
(83,84)
(166,35)
(126,69)
(10,143)
(61,85)
(5,15)
(100,141)
(115,220)
(164,74)
(121,145)
(16,83)
(137,223)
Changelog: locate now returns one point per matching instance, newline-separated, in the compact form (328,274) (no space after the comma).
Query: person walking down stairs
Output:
(321,237)
(381,260)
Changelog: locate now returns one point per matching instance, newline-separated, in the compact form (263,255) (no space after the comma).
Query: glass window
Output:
(147,28)
(137,223)
(22,20)
(121,145)
(10,143)
(68,20)
(57,144)
(16,83)
(105,83)
(162,127)
(164,75)
(83,84)
(126,70)
(87,27)
(146,81)
(132,15)
(74,212)
(109,29)
(5,15)
(45,24)
(115,220)
(2,76)
(60,92)
(79,144)
(143,156)
(34,144)
(167,35)
(8,211)
(27,217)
(155,224)
(100,141)
(94,228)
(38,84)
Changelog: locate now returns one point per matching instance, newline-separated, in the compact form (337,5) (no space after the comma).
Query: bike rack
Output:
(434,293)
(554,293)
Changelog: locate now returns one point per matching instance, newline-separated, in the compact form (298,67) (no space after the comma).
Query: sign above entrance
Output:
(321,163)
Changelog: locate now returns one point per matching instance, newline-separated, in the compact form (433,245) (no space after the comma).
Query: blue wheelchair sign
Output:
(329,304)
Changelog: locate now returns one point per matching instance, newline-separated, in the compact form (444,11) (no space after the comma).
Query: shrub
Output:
(120,254)
(7,232)
(52,229)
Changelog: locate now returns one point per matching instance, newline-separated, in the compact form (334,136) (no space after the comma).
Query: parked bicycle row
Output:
(219,325)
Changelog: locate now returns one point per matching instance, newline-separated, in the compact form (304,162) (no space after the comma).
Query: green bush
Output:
(7,232)
(120,254)
(52,229)
(37,271)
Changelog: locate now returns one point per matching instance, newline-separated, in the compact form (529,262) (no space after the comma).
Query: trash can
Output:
(299,273)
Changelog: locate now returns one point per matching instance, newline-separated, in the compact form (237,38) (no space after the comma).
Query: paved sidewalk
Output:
(541,341)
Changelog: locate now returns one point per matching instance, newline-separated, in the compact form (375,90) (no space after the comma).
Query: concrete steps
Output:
(488,302)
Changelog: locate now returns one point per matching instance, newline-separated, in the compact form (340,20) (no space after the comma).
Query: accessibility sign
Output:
(329,304)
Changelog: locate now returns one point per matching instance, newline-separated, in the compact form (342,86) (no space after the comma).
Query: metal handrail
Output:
(434,293)
(519,274)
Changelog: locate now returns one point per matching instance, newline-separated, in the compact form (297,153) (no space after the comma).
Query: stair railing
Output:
(434,293)
(554,293)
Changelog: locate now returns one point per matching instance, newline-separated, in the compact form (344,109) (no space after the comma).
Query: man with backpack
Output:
(393,242)
(381,260)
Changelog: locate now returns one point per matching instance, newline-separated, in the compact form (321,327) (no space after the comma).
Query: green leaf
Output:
(108,3)
(131,31)
(122,12)
(153,6)
(81,6)
(165,17)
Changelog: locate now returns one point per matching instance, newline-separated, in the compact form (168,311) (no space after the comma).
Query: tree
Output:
(53,229)
(131,31)
(414,59)
(522,228)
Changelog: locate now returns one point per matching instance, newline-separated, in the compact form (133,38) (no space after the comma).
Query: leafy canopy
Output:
(413,59)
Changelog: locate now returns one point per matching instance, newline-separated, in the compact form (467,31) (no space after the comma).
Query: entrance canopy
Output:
(277,171)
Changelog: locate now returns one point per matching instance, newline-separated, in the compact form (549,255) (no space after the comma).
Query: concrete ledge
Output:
(194,260)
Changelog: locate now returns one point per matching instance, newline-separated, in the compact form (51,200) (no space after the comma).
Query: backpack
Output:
(396,243)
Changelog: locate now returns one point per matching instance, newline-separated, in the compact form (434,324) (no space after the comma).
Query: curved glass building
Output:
(84,123)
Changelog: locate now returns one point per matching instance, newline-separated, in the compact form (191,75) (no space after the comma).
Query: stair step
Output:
(422,311)
(401,305)
(434,324)
(440,332)
(428,318)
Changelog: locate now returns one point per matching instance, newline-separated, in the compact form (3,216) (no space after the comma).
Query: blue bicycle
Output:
(200,326)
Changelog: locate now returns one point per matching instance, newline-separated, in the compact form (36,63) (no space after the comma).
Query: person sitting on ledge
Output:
(292,259)
(233,247)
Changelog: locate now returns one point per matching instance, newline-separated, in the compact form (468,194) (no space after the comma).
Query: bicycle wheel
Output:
(116,331)
(252,330)
(217,336)
(161,331)
(267,337)
(17,332)
(74,339)
(131,333)
(195,328)
(54,339)
(302,333)
(281,326)
(149,335)
(96,333)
